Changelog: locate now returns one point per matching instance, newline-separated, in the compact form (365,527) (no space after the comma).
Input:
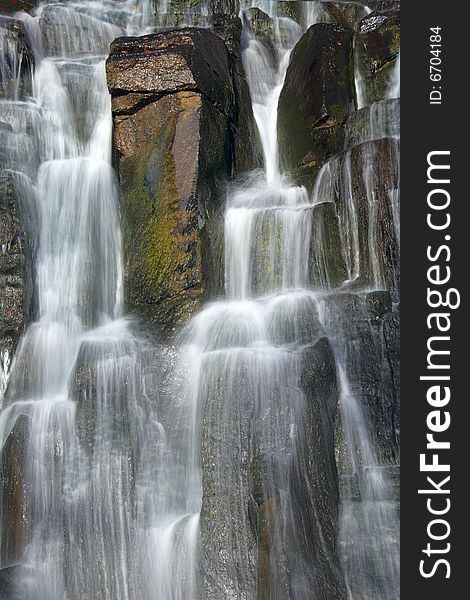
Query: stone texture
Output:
(327,266)
(317,516)
(18,59)
(378,46)
(316,99)
(12,493)
(347,14)
(15,270)
(368,329)
(363,182)
(182,127)
(11,6)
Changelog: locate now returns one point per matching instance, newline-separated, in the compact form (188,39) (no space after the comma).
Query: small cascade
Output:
(79,403)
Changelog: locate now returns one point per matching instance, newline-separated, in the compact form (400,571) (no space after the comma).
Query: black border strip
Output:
(426,128)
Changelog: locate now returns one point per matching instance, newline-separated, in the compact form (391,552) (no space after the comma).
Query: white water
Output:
(96,461)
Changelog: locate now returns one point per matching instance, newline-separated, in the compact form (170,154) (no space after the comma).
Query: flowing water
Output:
(112,501)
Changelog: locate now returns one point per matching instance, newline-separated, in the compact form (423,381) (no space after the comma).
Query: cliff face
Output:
(183,127)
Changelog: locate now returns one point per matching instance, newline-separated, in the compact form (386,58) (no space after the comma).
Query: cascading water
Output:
(128,496)
(76,406)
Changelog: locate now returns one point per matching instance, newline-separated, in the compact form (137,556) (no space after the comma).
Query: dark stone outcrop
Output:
(183,126)
(347,14)
(316,515)
(363,183)
(367,328)
(327,266)
(12,493)
(316,99)
(380,120)
(254,488)
(11,6)
(18,60)
(15,269)
(378,47)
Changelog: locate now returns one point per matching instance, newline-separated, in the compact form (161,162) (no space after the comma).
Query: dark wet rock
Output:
(316,99)
(383,5)
(327,266)
(12,495)
(348,14)
(15,270)
(9,583)
(108,372)
(11,6)
(182,127)
(295,321)
(364,183)
(380,120)
(315,569)
(366,326)
(350,484)
(378,47)
(262,26)
(229,545)
(17,60)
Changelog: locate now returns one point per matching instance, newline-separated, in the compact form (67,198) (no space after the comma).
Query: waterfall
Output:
(139,485)
(77,405)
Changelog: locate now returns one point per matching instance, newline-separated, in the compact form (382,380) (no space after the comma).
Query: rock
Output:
(383,5)
(224,7)
(17,59)
(327,267)
(12,6)
(380,120)
(316,100)
(15,270)
(378,47)
(364,183)
(268,467)
(8,583)
(366,328)
(314,568)
(262,27)
(107,372)
(12,494)
(182,127)
(347,14)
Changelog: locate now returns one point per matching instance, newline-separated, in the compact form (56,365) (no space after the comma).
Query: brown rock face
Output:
(182,127)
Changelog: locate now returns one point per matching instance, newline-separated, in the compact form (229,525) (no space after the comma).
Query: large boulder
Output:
(316,99)
(183,126)
(348,14)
